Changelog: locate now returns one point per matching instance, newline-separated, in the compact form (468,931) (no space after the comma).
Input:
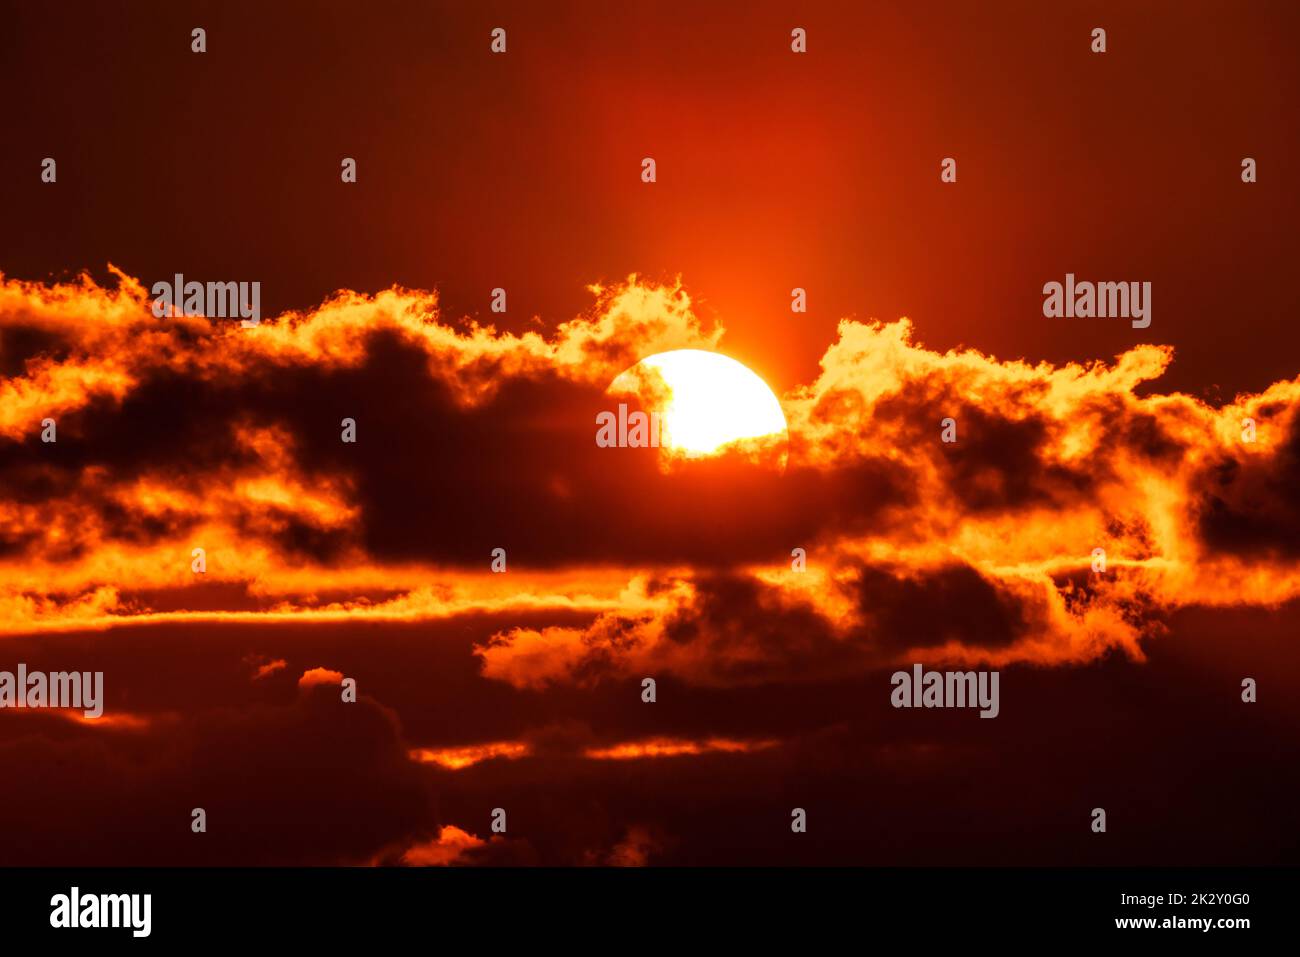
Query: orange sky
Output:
(371,561)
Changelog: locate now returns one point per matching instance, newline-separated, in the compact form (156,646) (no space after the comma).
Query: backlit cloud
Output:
(182,433)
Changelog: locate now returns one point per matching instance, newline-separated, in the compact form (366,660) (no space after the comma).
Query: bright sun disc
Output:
(711,400)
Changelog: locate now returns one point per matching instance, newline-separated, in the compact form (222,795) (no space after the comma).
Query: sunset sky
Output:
(522,690)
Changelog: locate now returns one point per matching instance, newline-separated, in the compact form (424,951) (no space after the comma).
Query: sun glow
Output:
(706,400)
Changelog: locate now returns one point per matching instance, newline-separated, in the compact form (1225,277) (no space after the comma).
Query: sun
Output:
(705,400)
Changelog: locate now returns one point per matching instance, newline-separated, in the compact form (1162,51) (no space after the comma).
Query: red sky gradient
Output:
(523,691)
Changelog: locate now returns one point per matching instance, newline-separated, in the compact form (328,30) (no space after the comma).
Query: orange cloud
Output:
(320,676)
(182,433)
(1050,463)
(666,747)
(455,759)
(114,721)
(451,845)
(270,668)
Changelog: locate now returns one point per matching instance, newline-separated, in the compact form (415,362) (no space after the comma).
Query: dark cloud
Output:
(1250,505)
(312,781)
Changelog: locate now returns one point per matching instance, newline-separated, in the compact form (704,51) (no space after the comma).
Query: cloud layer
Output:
(176,434)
